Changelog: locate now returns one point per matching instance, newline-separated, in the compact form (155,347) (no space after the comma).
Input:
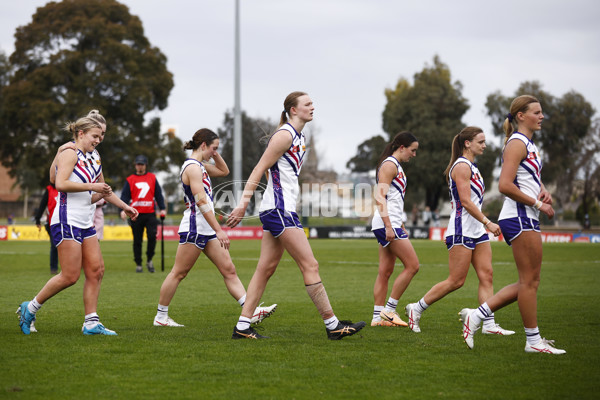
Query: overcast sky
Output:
(345,53)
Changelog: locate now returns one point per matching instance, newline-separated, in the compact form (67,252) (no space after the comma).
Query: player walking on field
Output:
(199,228)
(282,161)
(521,183)
(388,227)
(80,183)
(466,237)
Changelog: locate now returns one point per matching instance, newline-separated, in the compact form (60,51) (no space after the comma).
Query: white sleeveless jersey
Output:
(394,198)
(76,208)
(461,222)
(193,221)
(528,180)
(282,185)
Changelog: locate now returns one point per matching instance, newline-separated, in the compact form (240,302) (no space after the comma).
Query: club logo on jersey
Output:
(532,155)
(296,149)
(401,175)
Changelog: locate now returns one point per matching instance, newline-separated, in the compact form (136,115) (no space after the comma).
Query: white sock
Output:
(489,321)
(376,312)
(34,306)
(91,320)
(391,304)
(162,312)
(487,309)
(243,323)
(422,305)
(482,312)
(331,323)
(242,300)
(533,335)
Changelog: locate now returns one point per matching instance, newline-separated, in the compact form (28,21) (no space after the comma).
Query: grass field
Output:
(298,362)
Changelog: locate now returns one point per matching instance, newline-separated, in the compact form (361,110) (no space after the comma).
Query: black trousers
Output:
(53,251)
(150,223)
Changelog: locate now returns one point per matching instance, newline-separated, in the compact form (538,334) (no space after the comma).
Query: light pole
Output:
(237,113)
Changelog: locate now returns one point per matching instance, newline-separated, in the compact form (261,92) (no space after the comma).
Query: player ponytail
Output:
(290,101)
(404,138)
(458,145)
(203,135)
(95,114)
(82,124)
(519,105)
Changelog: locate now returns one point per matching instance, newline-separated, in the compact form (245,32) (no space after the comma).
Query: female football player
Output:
(466,237)
(282,160)
(521,183)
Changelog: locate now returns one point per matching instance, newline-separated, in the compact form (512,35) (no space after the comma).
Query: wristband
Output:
(485,221)
(197,197)
(538,204)
(204,208)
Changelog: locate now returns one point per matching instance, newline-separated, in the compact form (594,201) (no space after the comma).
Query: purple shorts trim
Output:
(276,221)
(466,241)
(512,227)
(196,239)
(60,232)
(380,235)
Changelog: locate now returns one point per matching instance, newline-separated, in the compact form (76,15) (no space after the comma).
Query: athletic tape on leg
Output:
(318,295)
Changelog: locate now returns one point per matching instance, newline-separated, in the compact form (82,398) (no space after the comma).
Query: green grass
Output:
(298,362)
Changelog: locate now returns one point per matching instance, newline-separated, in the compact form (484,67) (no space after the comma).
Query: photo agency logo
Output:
(227,195)
(313,200)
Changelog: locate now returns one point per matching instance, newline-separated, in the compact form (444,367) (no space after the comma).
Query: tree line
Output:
(432,107)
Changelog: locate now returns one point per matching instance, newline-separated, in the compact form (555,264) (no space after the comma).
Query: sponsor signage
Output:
(3,232)
(244,232)
(340,232)
(547,237)
(123,232)
(586,237)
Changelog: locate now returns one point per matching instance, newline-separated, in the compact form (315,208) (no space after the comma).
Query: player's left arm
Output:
(219,168)
(160,200)
(545,195)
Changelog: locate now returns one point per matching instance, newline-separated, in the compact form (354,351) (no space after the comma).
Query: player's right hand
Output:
(235,217)
(223,239)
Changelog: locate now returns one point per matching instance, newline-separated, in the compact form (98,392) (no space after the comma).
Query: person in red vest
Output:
(140,191)
(48,202)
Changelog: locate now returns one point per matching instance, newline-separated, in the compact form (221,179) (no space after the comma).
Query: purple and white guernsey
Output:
(76,208)
(282,186)
(461,223)
(394,198)
(193,221)
(528,180)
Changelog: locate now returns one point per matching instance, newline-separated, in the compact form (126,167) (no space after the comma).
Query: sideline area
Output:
(123,232)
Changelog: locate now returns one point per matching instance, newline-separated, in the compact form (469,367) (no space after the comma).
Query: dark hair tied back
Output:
(404,138)
(203,135)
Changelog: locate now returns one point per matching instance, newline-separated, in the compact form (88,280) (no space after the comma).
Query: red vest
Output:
(52,195)
(142,192)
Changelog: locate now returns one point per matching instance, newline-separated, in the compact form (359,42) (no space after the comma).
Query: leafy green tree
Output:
(78,55)
(588,165)
(431,109)
(255,134)
(367,154)
(567,123)
(4,71)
